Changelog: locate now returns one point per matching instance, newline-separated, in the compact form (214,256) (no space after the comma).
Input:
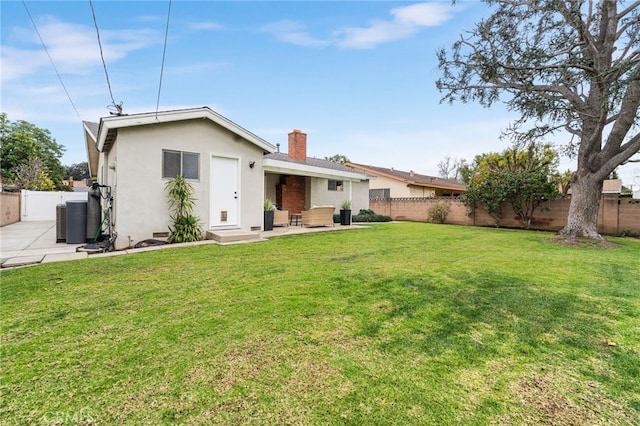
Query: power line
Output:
(50,59)
(164,52)
(118,107)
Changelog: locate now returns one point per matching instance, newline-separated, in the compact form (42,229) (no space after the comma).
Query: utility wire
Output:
(50,59)
(118,107)
(164,52)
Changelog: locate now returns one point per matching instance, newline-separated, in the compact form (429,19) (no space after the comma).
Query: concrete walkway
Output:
(28,243)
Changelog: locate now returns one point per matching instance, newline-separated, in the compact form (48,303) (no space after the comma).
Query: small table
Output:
(295,219)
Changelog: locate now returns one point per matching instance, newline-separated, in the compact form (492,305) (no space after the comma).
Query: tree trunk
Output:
(583,210)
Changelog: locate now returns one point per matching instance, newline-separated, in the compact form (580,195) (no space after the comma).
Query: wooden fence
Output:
(9,207)
(615,214)
(33,205)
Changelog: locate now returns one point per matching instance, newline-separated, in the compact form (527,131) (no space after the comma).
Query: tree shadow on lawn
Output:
(466,321)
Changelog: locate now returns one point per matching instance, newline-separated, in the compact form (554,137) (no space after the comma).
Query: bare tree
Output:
(566,65)
(450,168)
(32,174)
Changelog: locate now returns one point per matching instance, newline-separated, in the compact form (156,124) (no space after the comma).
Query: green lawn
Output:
(396,324)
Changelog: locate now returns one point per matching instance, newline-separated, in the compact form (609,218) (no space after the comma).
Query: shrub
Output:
(628,233)
(185,229)
(369,216)
(439,212)
(185,225)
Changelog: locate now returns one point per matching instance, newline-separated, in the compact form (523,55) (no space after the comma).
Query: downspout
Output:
(351,192)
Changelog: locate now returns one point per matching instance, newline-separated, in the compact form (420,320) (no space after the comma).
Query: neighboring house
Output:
(612,186)
(136,155)
(391,183)
(609,186)
(296,182)
(76,185)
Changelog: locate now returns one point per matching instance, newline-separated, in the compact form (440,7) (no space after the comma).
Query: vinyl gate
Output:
(40,205)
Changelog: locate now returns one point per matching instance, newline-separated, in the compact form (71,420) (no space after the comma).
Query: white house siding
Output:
(357,192)
(421,191)
(141,207)
(360,196)
(397,189)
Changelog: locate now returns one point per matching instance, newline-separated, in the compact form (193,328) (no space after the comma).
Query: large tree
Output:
(78,171)
(572,66)
(21,141)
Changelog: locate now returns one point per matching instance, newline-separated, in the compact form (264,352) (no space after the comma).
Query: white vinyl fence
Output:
(39,205)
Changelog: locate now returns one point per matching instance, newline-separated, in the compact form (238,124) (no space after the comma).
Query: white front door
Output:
(225,196)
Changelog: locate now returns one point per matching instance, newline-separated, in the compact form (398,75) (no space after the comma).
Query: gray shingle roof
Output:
(92,127)
(311,161)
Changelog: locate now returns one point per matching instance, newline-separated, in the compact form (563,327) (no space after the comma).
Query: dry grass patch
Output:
(583,242)
(557,397)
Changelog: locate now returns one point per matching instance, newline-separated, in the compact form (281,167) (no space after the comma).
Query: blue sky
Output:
(358,77)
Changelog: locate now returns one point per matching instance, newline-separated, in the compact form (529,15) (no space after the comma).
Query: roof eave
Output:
(91,151)
(116,122)
(287,167)
(437,186)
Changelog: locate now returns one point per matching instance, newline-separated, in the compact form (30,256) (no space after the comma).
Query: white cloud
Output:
(369,37)
(420,149)
(204,26)
(423,14)
(292,32)
(407,21)
(73,48)
(18,63)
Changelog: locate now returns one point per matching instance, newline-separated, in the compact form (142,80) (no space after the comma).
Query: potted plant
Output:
(345,213)
(268,214)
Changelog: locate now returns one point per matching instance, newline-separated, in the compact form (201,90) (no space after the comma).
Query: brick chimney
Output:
(298,145)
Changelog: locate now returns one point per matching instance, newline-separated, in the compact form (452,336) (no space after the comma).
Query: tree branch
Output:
(625,12)
(627,116)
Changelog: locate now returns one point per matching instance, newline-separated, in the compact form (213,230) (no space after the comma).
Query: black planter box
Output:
(345,217)
(268,220)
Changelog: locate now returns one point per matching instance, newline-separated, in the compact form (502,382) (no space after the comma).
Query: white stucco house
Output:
(230,169)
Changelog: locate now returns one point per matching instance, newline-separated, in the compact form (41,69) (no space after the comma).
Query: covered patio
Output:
(295,182)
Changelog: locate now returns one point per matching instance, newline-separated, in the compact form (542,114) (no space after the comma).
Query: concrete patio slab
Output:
(31,239)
